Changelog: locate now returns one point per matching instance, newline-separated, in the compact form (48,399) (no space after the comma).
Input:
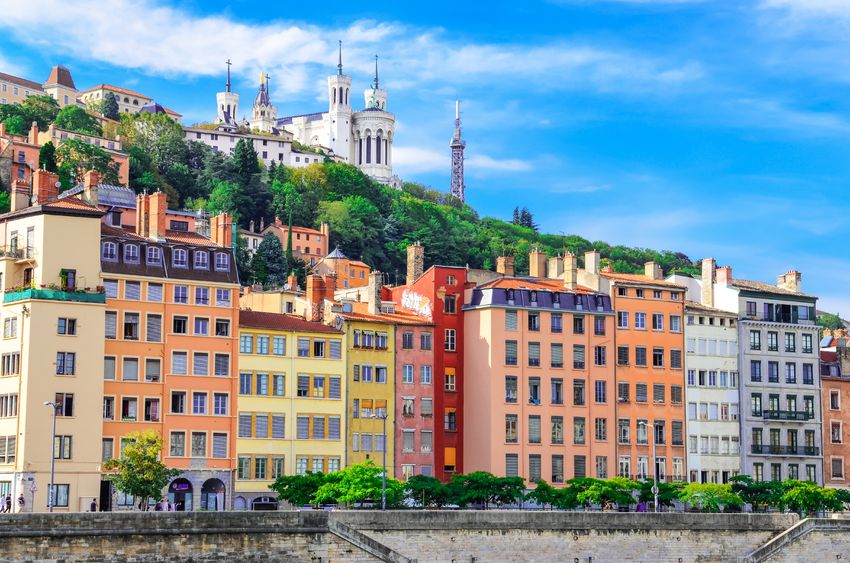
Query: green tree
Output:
(359,483)
(543,494)
(608,492)
(668,493)
(15,124)
(759,494)
(41,109)
(427,491)
(808,498)
(158,137)
(269,263)
(76,157)
(298,490)
(139,472)
(223,198)
(711,497)
(245,161)
(47,157)
(830,321)
(75,118)
(5,202)
(110,107)
(481,487)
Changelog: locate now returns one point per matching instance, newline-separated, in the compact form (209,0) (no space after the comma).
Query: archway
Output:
(239,503)
(264,503)
(212,495)
(180,494)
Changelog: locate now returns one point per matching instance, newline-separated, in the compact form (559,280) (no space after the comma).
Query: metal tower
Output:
(457,145)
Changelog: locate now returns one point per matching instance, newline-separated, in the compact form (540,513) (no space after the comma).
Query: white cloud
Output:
(14,69)
(482,165)
(810,8)
(416,160)
(163,40)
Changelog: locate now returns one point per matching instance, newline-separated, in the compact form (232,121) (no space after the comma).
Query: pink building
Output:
(414,428)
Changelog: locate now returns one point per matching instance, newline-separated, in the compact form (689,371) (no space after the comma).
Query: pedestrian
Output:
(8,503)
(158,507)
(2,504)
(21,502)
(641,507)
(93,506)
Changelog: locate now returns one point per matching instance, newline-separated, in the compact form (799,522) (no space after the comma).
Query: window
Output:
(109,251)
(511,465)
(151,410)
(657,321)
(599,326)
(640,392)
(601,429)
(425,341)
(834,399)
(600,392)
(450,304)
(246,343)
(424,375)
(222,327)
(533,429)
(450,380)
(640,321)
(755,403)
(599,355)
(755,370)
(676,359)
(556,322)
(407,341)
(640,356)
(153,328)
(199,444)
(178,402)
(622,318)
(153,370)
(790,342)
(534,354)
(807,344)
(181,294)
(790,372)
(511,352)
(578,356)
(578,324)
(534,390)
(65,363)
(131,326)
(658,357)
(200,363)
(179,258)
(154,256)
(222,262)
(450,340)
(578,392)
(808,374)
(179,361)
(772,341)
(557,391)
(622,392)
(675,323)
(67,326)
(658,393)
(199,403)
(578,430)
(202,260)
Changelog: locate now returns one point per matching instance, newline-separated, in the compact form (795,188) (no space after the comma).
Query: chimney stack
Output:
(315,297)
(20,195)
(537,263)
(709,267)
(44,187)
(292,282)
(91,181)
(591,262)
(653,270)
(723,275)
(374,293)
(157,221)
(221,230)
(792,281)
(143,212)
(415,260)
(570,270)
(505,265)
(32,138)
(555,269)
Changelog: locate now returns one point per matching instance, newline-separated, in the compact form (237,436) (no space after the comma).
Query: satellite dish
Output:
(286,286)
(58,184)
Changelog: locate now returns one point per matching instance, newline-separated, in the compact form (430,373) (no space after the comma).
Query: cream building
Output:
(14,90)
(52,349)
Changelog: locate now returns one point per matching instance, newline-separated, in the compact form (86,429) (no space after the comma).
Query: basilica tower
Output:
(228,104)
(264,116)
(374,129)
(457,145)
(339,89)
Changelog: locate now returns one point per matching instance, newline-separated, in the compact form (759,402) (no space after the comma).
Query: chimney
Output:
(251,226)
(278,222)
(709,267)
(221,230)
(32,138)
(653,270)
(555,267)
(158,207)
(143,208)
(325,229)
(292,282)
(505,265)
(537,263)
(415,261)
(330,285)
(44,187)
(315,297)
(792,281)
(262,224)
(2,129)
(591,262)
(374,293)
(20,195)
(570,271)
(723,275)
(91,180)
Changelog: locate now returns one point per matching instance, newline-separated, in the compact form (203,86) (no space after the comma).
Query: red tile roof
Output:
(111,231)
(115,89)
(699,307)
(360,313)
(539,284)
(21,81)
(61,75)
(639,279)
(279,321)
(763,287)
(72,203)
(188,237)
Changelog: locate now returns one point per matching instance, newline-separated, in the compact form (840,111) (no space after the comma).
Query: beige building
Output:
(60,85)
(128,100)
(52,349)
(13,89)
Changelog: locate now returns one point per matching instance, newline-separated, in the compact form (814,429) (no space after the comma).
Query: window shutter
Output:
(111,288)
(676,394)
(333,428)
(534,429)
(111,324)
(222,364)
(335,349)
(407,441)
(154,328)
(534,353)
(640,392)
(510,320)
(318,428)
(658,393)
(334,388)
(201,364)
(262,426)
(557,355)
(132,290)
(511,465)
(303,427)
(244,425)
(155,292)
(219,445)
(278,426)
(427,408)
(511,348)
(580,466)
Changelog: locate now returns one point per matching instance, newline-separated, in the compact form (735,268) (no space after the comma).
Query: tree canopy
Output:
(138,471)
(75,118)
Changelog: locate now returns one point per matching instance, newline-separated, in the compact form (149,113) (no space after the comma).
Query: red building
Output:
(437,294)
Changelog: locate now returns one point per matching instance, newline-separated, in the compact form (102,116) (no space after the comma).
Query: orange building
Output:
(18,159)
(538,356)
(170,357)
(308,244)
(349,273)
(835,406)
(650,373)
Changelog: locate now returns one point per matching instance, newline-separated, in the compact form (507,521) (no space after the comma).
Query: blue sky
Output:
(712,128)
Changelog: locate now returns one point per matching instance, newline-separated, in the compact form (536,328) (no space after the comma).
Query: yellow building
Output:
(291,404)
(52,349)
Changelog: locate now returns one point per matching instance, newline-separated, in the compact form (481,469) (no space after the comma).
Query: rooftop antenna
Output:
(376,72)
(339,66)
(227,85)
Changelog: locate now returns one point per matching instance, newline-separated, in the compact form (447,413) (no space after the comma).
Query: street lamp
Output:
(654,462)
(384,475)
(50,490)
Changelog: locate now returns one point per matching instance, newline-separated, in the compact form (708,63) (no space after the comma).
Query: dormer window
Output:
(180,258)
(109,251)
(202,260)
(534,297)
(222,262)
(510,293)
(154,257)
(131,253)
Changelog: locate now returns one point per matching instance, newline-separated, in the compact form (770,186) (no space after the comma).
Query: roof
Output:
(172,112)
(115,89)
(188,237)
(71,206)
(540,284)
(151,107)
(107,194)
(279,321)
(262,97)
(699,307)
(336,254)
(309,117)
(21,81)
(640,279)
(360,313)
(763,287)
(60,74)
(358,263)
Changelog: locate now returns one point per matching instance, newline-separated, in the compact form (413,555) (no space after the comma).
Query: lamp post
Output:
(654,463)
(384,475)
(50,489)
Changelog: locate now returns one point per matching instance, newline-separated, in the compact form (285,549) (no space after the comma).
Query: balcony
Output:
(79,296)
(19,254)
(793,416)
(785,450)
